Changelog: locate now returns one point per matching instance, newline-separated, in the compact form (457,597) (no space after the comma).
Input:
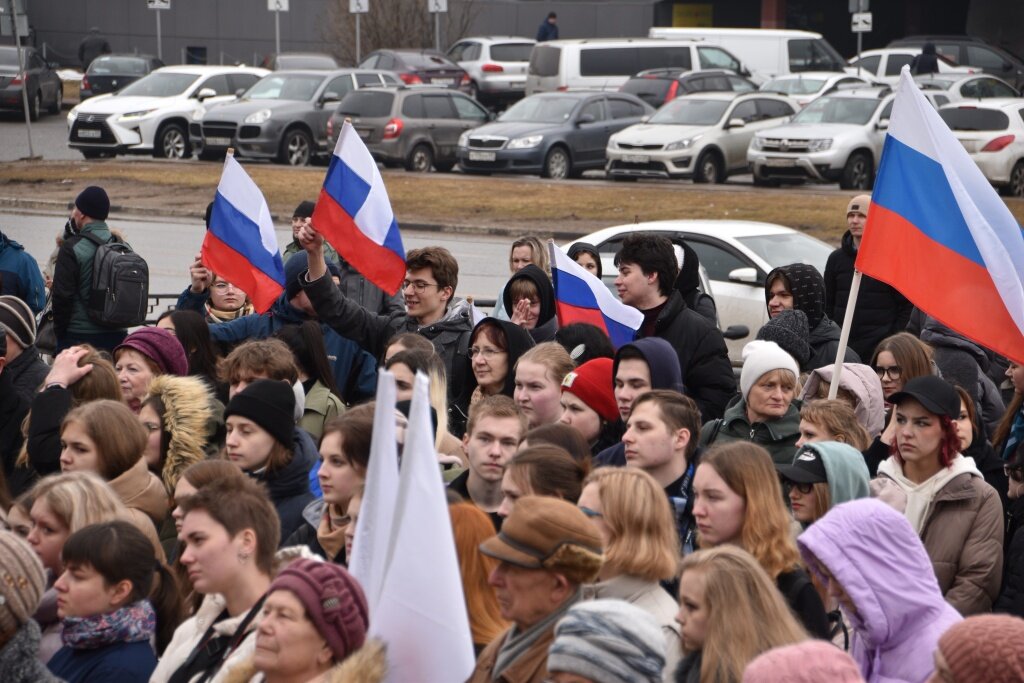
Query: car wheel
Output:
(171,142)
(709,168)
(557,164)
(421,158)
(858,174)
(35,103)
(58,100)
(296,148)
(445,167)
(1015,188)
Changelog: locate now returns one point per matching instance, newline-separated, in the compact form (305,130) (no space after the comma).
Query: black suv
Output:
(658,86)
(970,51)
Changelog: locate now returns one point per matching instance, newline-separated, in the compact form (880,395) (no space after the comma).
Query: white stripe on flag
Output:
(242,193)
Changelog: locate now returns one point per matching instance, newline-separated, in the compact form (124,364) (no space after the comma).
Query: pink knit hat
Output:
(811,661)
(985,648)
(333,599)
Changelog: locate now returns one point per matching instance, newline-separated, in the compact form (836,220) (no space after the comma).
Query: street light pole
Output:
(24,77)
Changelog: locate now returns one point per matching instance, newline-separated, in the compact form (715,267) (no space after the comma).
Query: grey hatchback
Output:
(283,116)
(416,127)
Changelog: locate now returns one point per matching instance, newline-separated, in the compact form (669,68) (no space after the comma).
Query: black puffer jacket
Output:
(707,370)
(1011,597)
(547,325)
(807,286)
(881,310)
(688,284)
(13,408)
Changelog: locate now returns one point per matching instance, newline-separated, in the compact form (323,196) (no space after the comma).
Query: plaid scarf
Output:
(131,624)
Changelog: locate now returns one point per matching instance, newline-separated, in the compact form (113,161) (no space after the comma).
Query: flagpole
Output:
(844,336)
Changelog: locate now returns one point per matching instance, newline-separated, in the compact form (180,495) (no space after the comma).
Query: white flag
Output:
(421,614)
(380,492)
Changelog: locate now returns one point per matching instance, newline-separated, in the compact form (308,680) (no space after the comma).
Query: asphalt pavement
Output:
(49,137)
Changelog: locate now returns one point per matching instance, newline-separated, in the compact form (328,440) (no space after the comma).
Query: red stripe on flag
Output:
(952,289)
(232,266)
(378,264)
(568,314)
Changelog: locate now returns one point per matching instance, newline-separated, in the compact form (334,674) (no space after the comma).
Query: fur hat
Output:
(760,357)
(608,641)
(22,582)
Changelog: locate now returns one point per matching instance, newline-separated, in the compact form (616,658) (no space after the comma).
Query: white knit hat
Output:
(760,357)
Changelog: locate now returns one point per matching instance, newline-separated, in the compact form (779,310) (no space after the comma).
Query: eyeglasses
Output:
(805,489)
(590,513)
(485,353)
(893,371)
(418,286)
(1015,473)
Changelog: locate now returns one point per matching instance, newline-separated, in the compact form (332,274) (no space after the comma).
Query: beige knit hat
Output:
(22,582)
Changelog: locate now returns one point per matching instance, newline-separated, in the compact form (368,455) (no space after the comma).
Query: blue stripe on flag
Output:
(921,195)
(393,240)
(346,186)
(573,290)
(236,230)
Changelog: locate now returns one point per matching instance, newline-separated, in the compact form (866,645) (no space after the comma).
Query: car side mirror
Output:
(491,116)
(736,331)
(883,124)
(746,275)
(239,92)
(585,118)
(645,118)
(53,65)
(330,97)
(205,93)
(736,123)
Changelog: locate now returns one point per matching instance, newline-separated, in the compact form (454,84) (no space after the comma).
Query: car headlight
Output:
(682,144)
(72,115)
(525,142)
(819,145)
(464,139)
(260,116)
(132,115)
(613,143)
(757,143)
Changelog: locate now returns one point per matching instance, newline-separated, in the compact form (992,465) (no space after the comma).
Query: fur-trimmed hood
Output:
(368,664)
(187,412)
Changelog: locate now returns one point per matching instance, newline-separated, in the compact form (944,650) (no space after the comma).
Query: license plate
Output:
(780,163)
(442,81)
(482,156)
(219,142)
(363,133)
(635,158)
(89,133)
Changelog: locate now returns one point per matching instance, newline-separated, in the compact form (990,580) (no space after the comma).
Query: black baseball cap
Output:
(807,468)
(934,393)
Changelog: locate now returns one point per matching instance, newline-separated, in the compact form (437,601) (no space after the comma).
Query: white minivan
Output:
(764,52)
(605,64)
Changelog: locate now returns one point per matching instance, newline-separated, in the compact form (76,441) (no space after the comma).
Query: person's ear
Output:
(681,439)
(446,293)
(324,655)
(121,592)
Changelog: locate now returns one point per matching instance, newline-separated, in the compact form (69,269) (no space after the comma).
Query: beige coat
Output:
(653,599)
(142,493)
(368,664)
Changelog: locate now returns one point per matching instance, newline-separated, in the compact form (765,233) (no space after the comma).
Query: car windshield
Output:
(793,247)
(690,112)
(117,65)
(795,86)
(541,109)
(970,118)
(853,110)
(160,85)
(299,87)
(9,57)
(511,52)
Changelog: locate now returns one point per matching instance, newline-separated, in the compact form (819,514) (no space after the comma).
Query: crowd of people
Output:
(180,499)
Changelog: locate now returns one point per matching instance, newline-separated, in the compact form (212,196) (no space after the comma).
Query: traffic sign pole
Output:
(277,29)
(24,82)
(358,7)
(358,52)
(159,41)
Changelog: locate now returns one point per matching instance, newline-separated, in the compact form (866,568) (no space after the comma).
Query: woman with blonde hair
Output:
(538,383)
(825,420)
(472,526)
(738,501)
(641,546)
(527,250)
(729,613)
(404,365)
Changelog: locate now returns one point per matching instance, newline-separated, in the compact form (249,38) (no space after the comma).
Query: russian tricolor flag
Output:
(354,214)
(582,298)
(241,246)
(938,232)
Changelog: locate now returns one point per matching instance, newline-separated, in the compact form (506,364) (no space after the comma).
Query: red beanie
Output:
(592,384)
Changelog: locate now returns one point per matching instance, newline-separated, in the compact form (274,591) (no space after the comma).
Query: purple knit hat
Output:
(333,599)
(160,346)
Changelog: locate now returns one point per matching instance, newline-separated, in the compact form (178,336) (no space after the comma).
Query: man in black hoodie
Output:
(647,276)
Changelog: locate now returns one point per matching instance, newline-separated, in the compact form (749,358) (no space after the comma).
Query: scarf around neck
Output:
(130,624)
(519,642)
(223,316)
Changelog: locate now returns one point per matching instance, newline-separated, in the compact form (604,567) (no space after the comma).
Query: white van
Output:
(766,53)
(605,64)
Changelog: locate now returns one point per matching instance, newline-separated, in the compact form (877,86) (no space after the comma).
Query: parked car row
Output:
(38,80)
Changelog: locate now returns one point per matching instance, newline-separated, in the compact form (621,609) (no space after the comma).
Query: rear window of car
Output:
(8,57)
(306,62)
(418,60)
(117,65)
(367,104)
(511,52)
(968,118)
(626,61)
(544,60)
(813,54)
(651,90)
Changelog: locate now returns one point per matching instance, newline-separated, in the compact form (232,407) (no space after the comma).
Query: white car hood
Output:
(809,131)
(123,105)
(657,133)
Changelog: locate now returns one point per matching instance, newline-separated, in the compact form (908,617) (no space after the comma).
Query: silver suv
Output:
(837,137)
(496,66)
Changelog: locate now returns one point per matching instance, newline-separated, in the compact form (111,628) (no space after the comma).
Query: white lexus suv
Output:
(151,115)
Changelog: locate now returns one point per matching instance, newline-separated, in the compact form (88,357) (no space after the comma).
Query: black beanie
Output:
(304,210)
(93,202)
(789,330)
(270,404)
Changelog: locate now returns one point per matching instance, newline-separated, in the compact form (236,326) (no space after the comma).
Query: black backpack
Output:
(119,292)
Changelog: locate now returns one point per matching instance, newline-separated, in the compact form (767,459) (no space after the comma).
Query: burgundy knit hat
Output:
(592,383)
(985,648)
(160,346)
(333,599)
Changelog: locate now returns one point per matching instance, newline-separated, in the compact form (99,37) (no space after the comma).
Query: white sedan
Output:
(971,87)
(736,255)
(992,132)
(806,86)
(884,64)
(151,115)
